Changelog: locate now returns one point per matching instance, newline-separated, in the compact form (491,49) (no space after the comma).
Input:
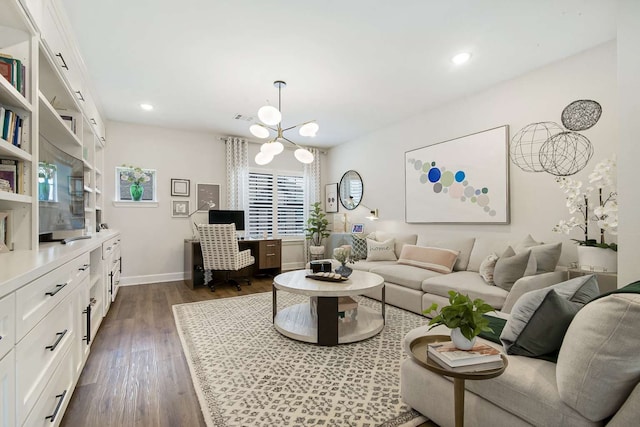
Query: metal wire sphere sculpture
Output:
(581,114)
(526,144)
(566,153)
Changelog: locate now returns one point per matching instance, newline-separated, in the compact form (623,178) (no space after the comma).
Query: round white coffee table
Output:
(298,321)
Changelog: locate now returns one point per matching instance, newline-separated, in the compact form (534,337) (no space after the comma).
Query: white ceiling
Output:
(355,66)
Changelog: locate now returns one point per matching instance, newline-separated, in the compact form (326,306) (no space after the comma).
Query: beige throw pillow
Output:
(381,251)
(487,268)
(435,259)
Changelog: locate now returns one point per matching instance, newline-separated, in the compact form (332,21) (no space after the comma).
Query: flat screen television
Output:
(60,192)
(227,217)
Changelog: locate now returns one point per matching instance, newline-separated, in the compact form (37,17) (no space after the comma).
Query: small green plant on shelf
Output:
(462,312)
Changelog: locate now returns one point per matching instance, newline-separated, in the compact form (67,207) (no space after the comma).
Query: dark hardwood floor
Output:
(136,374)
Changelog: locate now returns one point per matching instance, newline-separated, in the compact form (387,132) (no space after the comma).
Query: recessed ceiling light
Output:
(461,58)
(146,107)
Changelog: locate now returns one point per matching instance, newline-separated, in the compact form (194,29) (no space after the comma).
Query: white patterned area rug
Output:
(245,373)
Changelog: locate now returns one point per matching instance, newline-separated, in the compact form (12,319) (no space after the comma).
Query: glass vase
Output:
(136,191)
(344,271)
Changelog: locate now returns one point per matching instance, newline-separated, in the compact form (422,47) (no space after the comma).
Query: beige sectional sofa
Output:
(415,289)
(593,383)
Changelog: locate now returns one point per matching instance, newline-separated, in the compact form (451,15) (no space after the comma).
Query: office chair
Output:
(220,252)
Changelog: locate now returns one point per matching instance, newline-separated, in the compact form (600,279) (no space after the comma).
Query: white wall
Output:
(152,247)
(536,201)
(628,90)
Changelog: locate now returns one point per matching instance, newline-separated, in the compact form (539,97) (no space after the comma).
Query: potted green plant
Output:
(464,317)
(316,229)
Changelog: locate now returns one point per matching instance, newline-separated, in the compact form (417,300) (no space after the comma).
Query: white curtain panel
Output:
(237,173)
(312,189)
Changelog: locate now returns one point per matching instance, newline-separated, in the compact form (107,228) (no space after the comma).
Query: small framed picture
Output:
(357,228)
(331,198)
(180,187)
(180,208)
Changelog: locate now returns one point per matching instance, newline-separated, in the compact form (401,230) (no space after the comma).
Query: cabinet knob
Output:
(80,97)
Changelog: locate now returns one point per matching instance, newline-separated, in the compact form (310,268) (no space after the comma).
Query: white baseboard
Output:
(289,266)
(151,278)
(176,277)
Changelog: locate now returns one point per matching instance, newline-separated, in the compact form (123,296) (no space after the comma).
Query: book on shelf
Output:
(10,126)
(9,167)
(454,357)
(13,70)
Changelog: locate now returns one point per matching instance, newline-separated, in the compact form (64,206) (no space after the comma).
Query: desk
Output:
(268,255)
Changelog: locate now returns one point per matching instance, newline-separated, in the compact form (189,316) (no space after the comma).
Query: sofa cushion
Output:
(599,362)
(381,251)
(547,256)
(364,265)
(487,268)
(400,240)
(404,275)
(543,333)
(358,247)
(482,248)
(511,266)
(539,319)
(461,244)
(527,388)
(436,259)
(465,282)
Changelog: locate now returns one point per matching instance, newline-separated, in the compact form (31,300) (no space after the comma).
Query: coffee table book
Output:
(477,367)
(453,357)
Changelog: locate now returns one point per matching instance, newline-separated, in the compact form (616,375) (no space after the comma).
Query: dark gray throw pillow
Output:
(543,334)
(545,318)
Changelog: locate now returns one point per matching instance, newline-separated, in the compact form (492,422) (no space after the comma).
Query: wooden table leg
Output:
(327,320)
(458,401)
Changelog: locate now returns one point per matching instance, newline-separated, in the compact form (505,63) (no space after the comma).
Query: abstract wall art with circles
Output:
(464,180)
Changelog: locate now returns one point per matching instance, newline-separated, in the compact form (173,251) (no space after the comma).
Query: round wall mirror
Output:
(351,190)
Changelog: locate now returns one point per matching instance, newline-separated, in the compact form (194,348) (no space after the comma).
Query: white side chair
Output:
(220,252)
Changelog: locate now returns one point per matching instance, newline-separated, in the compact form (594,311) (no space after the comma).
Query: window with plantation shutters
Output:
(276,204)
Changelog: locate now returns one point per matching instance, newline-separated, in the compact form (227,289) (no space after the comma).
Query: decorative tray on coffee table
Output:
(327,277)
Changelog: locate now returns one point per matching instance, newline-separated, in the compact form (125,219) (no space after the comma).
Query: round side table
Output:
(419,348)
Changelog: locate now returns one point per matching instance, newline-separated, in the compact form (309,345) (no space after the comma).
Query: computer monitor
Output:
(227,217)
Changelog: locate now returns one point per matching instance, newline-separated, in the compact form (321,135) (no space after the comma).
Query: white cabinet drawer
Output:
(109,247)
(38,354)
(36,299)
(7,324)
(7,390)
(53,401)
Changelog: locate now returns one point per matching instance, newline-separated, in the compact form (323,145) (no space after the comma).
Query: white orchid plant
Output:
(597,203)
(134,175)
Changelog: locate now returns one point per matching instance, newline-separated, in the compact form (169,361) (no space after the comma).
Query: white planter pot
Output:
(460,341)
(316,250)
(591,258)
